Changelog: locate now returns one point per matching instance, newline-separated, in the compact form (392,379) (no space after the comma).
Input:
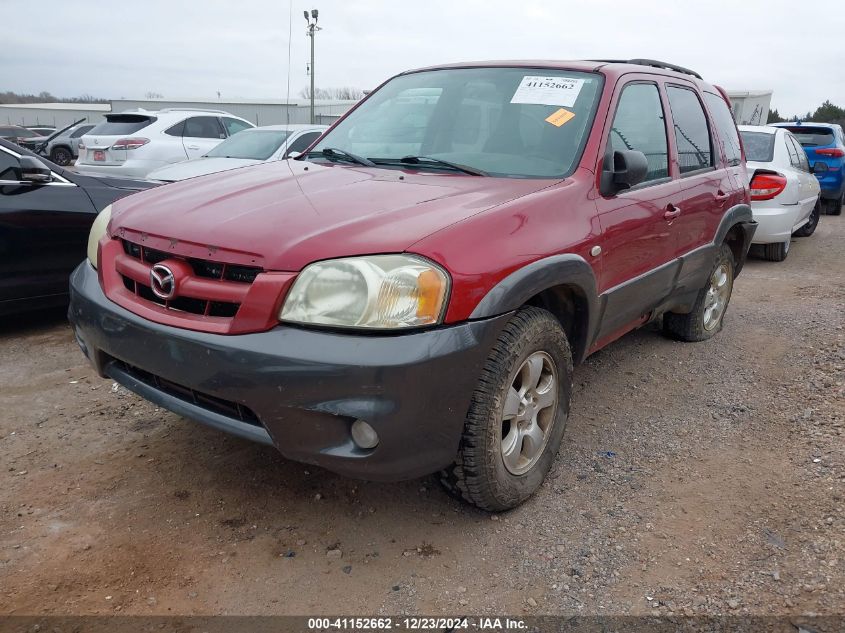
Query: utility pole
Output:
(311,32)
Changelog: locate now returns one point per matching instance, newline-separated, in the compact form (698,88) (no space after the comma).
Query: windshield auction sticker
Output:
(560,117)
(559,91)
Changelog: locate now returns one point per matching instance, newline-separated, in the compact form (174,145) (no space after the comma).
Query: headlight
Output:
(98,229)
(377,291)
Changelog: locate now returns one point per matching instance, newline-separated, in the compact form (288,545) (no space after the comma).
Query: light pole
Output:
(311,32)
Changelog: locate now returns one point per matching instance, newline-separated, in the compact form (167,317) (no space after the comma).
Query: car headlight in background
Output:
(375,291)
(98,230)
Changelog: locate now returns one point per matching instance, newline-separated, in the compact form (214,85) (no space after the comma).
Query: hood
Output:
(284,215)
(199,167)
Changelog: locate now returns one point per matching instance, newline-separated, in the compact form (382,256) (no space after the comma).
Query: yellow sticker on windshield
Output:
(560,117)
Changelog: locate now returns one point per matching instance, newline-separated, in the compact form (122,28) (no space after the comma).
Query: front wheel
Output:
(812,222)
(61,156)
(517,415)
(706,316)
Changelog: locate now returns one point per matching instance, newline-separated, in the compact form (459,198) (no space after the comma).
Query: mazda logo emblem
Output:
(162,282)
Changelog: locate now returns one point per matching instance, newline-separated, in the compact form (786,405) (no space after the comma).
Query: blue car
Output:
(825,147)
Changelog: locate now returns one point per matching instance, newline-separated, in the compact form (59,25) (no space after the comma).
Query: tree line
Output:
(825,113)
(45,97)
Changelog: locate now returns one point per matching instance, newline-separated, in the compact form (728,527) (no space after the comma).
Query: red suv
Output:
(411,294)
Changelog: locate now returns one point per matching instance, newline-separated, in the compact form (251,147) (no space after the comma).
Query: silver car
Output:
(63,149)
(249,147)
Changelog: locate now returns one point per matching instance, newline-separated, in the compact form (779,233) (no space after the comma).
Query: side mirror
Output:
(622,170)
(819,167)
(293,154)
(33,170)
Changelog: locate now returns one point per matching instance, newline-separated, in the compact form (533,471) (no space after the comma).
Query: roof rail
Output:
(653,63)
(193,110)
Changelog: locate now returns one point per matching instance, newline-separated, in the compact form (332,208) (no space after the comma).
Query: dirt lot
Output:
(694,478)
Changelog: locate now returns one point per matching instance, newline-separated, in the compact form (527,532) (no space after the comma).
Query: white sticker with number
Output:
(558,91)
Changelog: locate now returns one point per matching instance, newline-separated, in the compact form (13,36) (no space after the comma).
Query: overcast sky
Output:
(193,48)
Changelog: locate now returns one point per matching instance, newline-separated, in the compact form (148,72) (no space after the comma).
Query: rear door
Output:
(707,187)
(637,243)
(201,134)
(808,188)
(43,234)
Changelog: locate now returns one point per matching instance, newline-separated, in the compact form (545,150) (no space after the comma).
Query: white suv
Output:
(135,143)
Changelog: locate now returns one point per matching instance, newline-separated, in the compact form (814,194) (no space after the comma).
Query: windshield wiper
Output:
(333,153)
(428,161)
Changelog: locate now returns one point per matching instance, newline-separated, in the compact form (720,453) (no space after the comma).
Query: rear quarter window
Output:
(759,146)
(725,126)
(119,124)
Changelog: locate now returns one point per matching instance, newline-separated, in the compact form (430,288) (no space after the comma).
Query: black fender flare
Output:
(738,215)
(517,288)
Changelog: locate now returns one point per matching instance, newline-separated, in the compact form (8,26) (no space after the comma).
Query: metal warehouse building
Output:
(260,112)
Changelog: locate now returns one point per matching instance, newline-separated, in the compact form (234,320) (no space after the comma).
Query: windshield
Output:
(513,122)
(258,145)
(759,146)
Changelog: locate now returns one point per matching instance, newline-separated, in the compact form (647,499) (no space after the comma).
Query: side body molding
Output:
(523,284)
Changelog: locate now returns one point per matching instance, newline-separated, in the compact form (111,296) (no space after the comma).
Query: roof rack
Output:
(193,110)
(653,63)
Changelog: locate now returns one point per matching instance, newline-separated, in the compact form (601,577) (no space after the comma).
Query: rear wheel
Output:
(517,416)
(835,206)
(777,252)
(706,316)
(61,156)
(812,222)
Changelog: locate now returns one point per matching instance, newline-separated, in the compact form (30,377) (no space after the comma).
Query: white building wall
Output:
(55,114)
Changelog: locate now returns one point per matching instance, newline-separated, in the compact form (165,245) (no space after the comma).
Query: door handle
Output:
(193,146)
(671,212)
(721,196)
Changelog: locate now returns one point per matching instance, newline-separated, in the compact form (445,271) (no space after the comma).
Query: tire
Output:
(485,474)
(61,156)
(706,317)
(812,222)
(835,206)
(776,252)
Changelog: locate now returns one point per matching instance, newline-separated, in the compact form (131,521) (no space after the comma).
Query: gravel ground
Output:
(693,478)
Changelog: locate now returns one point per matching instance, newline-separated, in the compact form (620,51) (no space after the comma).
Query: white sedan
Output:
(249,147)
(784,192)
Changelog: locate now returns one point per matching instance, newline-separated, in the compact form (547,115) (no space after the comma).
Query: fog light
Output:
(364,435)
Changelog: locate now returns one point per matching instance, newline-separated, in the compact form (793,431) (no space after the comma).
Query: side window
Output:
(691,132)
(233,126)
(176,130)
(299,144)
(80,131)
(793,153)
(10,167)
(203,127)
(724,122)
(639,124)
(800,154)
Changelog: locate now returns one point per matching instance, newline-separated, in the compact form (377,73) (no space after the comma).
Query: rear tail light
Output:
(833,152)
(130,143)
(765,186)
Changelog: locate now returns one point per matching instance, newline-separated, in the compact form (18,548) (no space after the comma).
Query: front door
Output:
(43,234)
(637,241)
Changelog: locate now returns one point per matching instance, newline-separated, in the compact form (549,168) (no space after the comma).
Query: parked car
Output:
(390,313)
(785,196)
(249,147)
(63,148)
(42,131)
(825,147)
(46,214)
(136,143)
(16,133)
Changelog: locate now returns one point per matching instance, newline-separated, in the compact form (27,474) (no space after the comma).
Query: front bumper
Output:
(295,388)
